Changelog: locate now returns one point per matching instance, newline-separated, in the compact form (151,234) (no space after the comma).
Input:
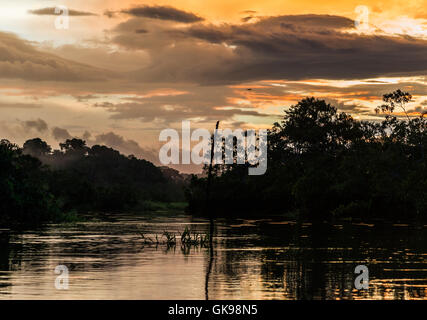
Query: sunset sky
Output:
(124,70)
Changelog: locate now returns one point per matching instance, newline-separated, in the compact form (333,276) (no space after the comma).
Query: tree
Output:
(393,100)
(24,191)
(36,147)
(314,125)
(323,164)
(74,148)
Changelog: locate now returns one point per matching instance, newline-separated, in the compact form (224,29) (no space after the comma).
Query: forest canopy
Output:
(324,164)
(39,184)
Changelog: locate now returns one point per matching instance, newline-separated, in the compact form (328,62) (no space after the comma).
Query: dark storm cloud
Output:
(284,47)
(50,11)
(163,13)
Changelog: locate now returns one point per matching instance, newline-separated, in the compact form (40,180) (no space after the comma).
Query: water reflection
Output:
(249,259)
(211,256)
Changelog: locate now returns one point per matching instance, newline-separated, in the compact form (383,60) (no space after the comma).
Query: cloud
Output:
(351,108)
(100,56)
(125,146)
(86,135)
(60,134)
(157,34)
(39,125)
(246,19)
(50,11)
(110,14)
(201,103)
(85,98)
(15,105)
(248,12)
(129,146)
(149,113)
(163,13)
(19,59)
(283,47)
(207,62)
(417,111)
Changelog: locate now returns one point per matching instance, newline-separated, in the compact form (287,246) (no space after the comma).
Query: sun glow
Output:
(14,11)
(405,26)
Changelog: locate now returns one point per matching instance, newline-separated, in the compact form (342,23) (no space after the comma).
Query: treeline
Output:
(40,184)
(324,164)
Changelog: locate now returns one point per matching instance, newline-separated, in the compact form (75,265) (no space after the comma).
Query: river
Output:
(265,258)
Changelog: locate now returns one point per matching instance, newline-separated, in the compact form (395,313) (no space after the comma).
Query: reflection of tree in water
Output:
(4,250)
(5,256)
(10,252)
(93,246)
(317,261)
(321,266)
(211,256)
(282,261)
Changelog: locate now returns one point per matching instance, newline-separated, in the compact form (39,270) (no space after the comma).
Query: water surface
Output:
(267,258)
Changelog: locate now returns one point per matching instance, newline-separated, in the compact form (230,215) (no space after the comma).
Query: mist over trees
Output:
(324,164)
(40,184)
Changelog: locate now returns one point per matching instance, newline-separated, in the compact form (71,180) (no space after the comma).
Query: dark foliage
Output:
(38,185)
(324,164)
(24,188)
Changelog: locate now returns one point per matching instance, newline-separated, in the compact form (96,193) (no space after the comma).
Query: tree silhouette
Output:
(36,147)
(323,164)
(393,100)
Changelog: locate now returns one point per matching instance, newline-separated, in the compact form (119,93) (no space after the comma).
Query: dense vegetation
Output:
(324,164)
(24,188)
(321,164)
(38,184)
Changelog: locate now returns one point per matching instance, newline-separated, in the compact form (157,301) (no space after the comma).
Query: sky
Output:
(125,70)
